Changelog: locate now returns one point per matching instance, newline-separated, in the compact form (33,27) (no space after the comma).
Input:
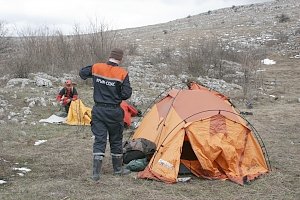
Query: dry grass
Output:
(61,167)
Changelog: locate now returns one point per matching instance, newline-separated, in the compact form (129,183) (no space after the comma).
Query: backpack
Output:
(137,149)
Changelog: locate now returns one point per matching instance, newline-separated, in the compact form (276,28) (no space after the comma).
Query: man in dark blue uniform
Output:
(111,86)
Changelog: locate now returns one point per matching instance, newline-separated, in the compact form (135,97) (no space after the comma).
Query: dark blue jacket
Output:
(111,82)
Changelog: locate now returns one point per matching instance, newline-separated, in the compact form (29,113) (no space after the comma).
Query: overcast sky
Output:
(118,14)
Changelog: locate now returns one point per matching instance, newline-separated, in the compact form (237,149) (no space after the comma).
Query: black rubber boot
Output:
(117,165)
(97,163)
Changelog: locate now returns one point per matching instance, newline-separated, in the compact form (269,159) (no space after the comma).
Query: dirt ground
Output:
(61,167)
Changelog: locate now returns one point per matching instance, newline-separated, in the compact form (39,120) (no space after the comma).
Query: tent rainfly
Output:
(201,129)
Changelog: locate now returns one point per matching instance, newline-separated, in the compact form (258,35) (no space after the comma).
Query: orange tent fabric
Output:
(223,146)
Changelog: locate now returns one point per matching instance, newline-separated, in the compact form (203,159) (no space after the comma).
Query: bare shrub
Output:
(251,80)
(283,18)
(193,59)
(50,51)
(4,39)
(163,55)
(80,56)
(297,31)
(5,46)
(211,58)
(100,40)
(203,56)
(282,37)
(61,51)
(21,67)
(37,48)
(132,49)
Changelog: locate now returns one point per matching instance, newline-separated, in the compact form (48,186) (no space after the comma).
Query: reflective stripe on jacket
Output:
(111,83)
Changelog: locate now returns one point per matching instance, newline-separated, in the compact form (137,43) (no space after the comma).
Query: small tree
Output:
(250,60)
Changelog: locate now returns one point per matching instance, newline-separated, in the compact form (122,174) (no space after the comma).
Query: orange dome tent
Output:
(200,129)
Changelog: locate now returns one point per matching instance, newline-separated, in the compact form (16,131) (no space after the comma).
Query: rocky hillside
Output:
(257,25)
(272,27)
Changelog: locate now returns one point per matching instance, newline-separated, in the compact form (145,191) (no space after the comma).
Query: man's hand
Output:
(66,101)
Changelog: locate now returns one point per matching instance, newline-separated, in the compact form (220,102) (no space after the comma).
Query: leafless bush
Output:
(282,37)
(5,45)
(250,61)
(39,48)
(163,55)
(211,58)
(271,43)
(297,31)
(283,18)
(192,58)
(21,67)
(203,56)
(100,40)
(52,52)
(4,39)
(132,49)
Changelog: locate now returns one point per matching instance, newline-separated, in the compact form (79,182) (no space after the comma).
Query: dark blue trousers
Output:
(107,121)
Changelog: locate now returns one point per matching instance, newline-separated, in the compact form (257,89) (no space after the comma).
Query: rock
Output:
(15,120)
(31,104)
(3,103)
(27,110)
(16,81)
(43,82)
(33,123)
(36,100)
(43,101)
(12,114)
